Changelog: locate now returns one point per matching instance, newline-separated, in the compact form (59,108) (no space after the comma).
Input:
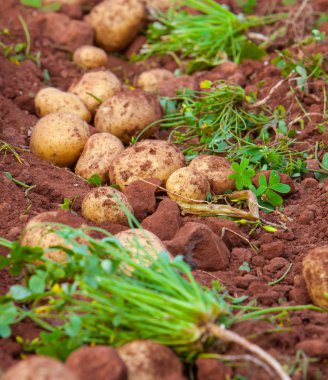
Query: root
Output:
(228,336)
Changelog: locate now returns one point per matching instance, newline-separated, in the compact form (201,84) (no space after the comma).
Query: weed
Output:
(95,180)
(204,39)
(19,183)
(247,5)
(5,148)
(245,267)
(243,174)
(54,6)
(68,204)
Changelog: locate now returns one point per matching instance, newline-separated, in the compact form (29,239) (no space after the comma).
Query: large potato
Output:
(150,80)
(59,138)
(50,100)
(315,272)
(95,87)
(39,233)
(98,153)
(145,159)
(39,368)
(90,57)
(187,183)
(217,170)
(148,360)
(104,204)
(127,113)
(141,243)
(116,23)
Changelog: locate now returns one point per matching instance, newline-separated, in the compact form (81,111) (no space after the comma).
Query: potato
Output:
(315,272)
(39,368)
(127,113)
(95,87)
(50,100)
(150,80)
(98,153)
(145,159)
(103,204)
(38,233)
(90,57)
(116,23)
(160,5)
(217,170)
(189,184)
(148,360)
(141,243)
(59,138)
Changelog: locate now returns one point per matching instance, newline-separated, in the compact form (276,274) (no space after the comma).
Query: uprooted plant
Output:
(93,299)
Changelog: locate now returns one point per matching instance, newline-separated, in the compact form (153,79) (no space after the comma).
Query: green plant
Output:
(243,174)
(247,5)
(267,192)
(68,204)
(5,148)
(206,38)
(55,6)
(103,304)
(95,180)
(9,176)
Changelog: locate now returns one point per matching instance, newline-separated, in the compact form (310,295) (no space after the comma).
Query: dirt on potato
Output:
(302,338)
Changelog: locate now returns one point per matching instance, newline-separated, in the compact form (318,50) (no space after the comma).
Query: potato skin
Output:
(127,113)
(90,57)
(217,170)
(101,84)
(150,80)
(315,272)
(39,368)
(100,206)
(148,360)
(50,100)
(188,183)
(37,233)
(145,159)
(116,23)
(98,153)
(59,138)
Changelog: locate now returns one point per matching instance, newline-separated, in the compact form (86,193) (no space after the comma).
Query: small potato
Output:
(127,113)
(98,153)
(38,233)
(59,138)
(95,87)
(104,204)
(39,368)
(145,159)
(150,80)
(189,184)
(315,272)
(50,100)
(116,23)
(160,5)
(141,243)
(148,360)
(90,57)
(217,170)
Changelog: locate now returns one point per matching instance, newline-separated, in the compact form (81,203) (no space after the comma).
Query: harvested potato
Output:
(315,272)
(39,368)
(189,184)
(116,23)
(160,5)
(145,159)
(59,138)
(97,363)
(90,57)
(98,153)
(95,87)
(217,170)
(150,80)
(141,243)
(38,233)
(148,360)
(50,100)
(104,204)
(127,113)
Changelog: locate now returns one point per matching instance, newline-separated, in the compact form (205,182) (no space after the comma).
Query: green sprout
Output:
(95,180)
(205,39)
(243,174)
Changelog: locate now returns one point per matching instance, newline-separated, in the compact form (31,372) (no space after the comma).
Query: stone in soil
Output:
(212,369)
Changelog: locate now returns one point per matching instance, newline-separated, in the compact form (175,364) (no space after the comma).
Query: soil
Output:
(202,240)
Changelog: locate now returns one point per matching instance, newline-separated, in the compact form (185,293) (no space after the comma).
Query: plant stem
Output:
(229,336)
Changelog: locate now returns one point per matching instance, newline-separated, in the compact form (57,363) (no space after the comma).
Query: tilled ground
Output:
(198,239)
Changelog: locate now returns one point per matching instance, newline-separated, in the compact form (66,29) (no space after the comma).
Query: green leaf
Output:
(244,164)
(4,262)
(95,179)
(8,314)
(37,284)
(269,228)
(262,180)
(325,161)
(273,198)
(32,3)
(5,331)
(235,167)
(74,325)
(261,190)
(281,188)
(19,292)
(274,178)
(245,267)
(239,183)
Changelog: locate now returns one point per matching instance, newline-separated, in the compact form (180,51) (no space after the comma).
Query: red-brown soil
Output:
(305,210)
